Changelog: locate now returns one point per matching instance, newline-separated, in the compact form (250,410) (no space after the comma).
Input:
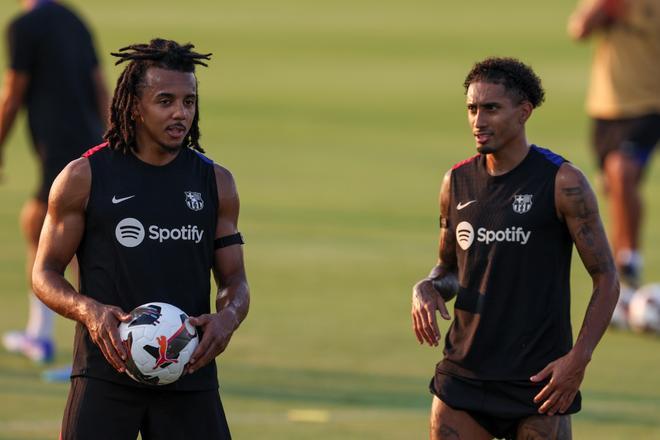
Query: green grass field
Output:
(338,120)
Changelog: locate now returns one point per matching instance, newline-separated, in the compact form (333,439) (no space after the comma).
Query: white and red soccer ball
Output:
(644,309)
(159,341)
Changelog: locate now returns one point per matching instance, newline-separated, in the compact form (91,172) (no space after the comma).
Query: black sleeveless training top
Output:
(149,233)
(512,312)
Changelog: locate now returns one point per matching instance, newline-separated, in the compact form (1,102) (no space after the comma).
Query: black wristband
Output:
(447,286)
(228,240)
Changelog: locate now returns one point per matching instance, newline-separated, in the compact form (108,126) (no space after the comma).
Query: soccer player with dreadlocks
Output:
(127,209)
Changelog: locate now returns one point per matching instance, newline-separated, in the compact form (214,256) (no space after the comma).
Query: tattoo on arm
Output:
(604,266)
(601,260)
(573,191)
(581,213)
(586,234)
(447,432)
(596,253)
(579,201)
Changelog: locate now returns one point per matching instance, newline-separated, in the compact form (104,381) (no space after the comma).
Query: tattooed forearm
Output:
(448,433)
(600,267)
(592,301)
(598,258)
(586,234)
(585,225)
(594,319)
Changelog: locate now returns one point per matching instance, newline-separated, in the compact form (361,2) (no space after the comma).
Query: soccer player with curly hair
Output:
(509,218)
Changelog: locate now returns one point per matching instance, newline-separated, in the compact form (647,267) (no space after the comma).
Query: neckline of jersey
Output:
(513,171)
(158,168)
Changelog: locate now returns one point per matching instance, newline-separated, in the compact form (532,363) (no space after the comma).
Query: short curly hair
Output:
(516,77)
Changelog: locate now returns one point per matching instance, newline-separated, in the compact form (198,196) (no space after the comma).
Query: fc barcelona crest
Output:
(194,200)
(522,203)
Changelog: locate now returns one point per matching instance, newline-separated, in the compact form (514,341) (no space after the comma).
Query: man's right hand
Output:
(102,321)
(425,302)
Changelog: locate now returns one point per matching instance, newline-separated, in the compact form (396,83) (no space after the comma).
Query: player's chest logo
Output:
(194,200)
(522,203)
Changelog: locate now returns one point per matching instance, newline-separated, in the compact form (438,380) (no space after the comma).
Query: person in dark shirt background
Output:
(54,73)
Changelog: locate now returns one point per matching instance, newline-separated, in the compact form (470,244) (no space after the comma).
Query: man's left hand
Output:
(216,329)
(566,374)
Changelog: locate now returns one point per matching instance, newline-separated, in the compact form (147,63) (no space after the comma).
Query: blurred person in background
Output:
(624,103)
(54,72)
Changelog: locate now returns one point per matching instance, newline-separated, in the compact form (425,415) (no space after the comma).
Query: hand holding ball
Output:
(159,341)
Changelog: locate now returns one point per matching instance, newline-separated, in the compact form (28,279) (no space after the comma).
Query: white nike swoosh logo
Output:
(463,205)
(115,200)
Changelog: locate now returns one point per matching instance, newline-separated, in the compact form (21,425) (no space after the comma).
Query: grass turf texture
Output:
(338,120)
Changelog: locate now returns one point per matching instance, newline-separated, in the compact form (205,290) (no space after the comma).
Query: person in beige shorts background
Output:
(623,101)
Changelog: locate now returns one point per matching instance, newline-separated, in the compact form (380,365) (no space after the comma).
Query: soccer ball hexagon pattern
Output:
(159,341)
(644,309)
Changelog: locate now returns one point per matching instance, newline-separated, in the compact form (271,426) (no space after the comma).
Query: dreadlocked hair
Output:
(164,54)
(516,77)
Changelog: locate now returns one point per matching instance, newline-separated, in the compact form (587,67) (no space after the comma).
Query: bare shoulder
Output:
(446,179)
(77,172)
(72,186)
(445,189)
(446,184)
(569,175)
(225,182)
(228,202)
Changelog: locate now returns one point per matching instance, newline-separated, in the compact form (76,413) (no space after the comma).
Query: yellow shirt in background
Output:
(625,75)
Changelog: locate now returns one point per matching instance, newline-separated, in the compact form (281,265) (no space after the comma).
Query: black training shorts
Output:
(636,137)
(102,410)
(498,406)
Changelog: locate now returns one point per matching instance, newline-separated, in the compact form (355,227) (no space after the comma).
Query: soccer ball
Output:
(644,309)
(159,341)
(620,315)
